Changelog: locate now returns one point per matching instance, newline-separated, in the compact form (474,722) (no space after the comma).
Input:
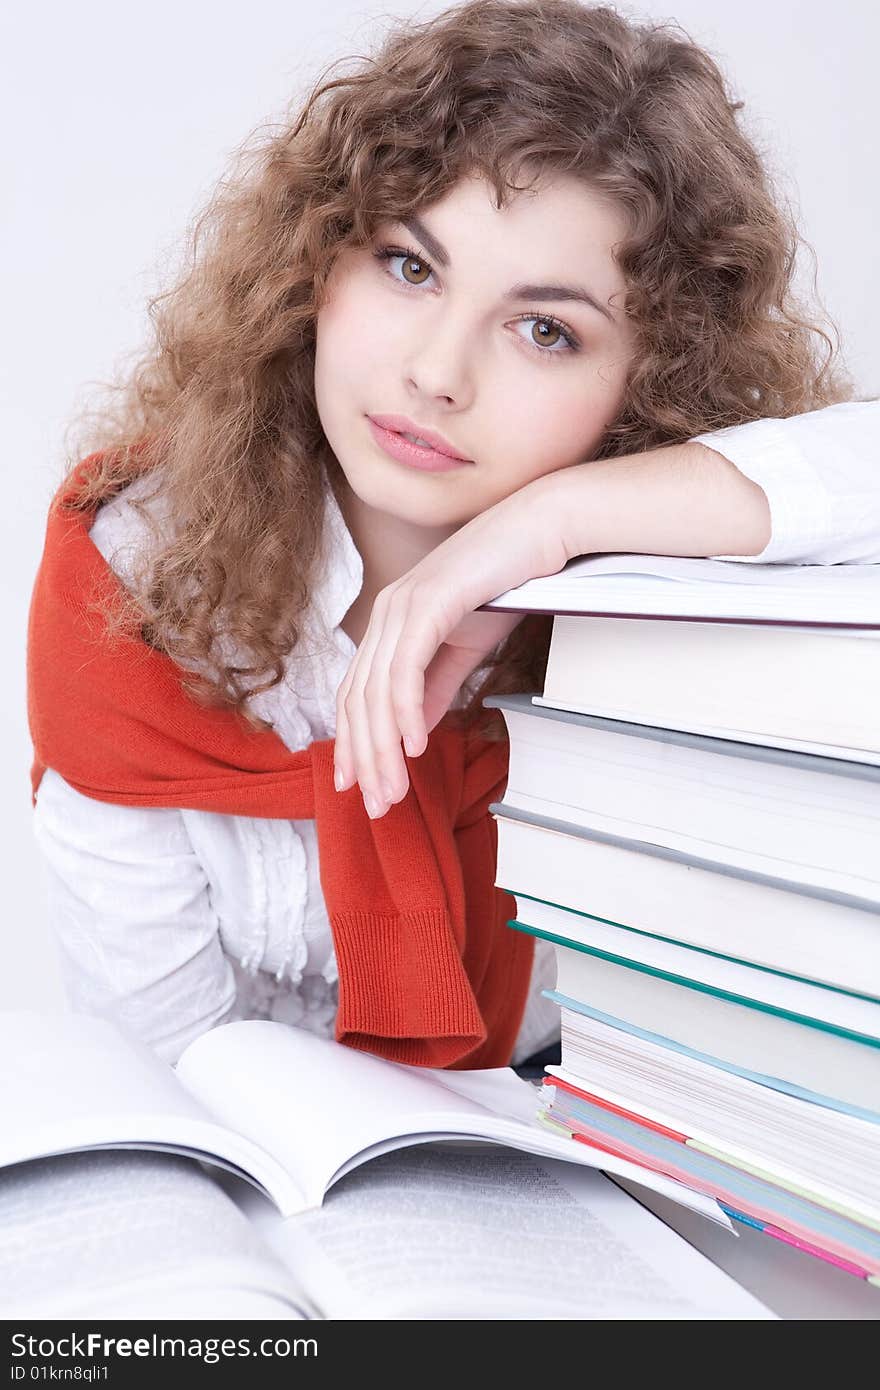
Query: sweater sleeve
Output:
(130,915)
(820,472)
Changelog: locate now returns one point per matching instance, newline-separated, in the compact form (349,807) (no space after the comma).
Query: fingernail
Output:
(387,790)
(338,778)
(374,807)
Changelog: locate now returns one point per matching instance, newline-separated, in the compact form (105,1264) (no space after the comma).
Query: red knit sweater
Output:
(429,973)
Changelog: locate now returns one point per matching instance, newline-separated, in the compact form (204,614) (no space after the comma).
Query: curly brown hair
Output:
(223,407)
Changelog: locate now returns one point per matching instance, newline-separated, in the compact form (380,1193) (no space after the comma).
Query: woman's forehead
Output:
(560,224)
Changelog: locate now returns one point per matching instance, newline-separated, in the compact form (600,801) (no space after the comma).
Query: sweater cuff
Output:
(433,1019)
(800,514)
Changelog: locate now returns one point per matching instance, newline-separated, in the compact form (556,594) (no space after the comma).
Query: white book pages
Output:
(441,1232)
(347,1107)
(767,1128)
(668,586)
(287,1109)
(81,1082)
(427,1234)
(132,1235)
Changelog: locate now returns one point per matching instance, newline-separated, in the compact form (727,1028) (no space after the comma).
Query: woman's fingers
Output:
(379,764)
(403,682)
(377,706)
(351,748)
(425,624)
(386,706)
(343,761)
(426,636)
(446,674)
(368,737)
(449,663)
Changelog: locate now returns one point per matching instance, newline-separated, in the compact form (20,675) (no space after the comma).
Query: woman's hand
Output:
(424,638)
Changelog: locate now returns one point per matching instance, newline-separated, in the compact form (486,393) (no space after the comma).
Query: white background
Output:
(117,122)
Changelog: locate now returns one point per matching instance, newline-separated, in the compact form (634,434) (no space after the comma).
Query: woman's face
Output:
(452,322)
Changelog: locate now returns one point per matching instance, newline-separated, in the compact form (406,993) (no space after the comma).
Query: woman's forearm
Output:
(685,499)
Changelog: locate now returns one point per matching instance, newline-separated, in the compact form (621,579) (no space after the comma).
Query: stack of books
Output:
(692,818)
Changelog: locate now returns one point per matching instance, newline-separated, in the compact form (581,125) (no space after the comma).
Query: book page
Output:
(659,585)
(321,1108)
(70,1071)
(81,1082)
(278,1105)
(132,1235)
(443,1231)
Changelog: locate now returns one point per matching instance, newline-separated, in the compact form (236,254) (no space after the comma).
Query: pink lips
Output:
(415,455)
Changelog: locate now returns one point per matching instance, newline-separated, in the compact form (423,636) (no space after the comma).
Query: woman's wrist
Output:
(682,499)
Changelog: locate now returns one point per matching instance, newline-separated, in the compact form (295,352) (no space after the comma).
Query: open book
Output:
(297,1117)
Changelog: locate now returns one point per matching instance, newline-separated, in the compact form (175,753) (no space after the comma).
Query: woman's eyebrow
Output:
(522,291)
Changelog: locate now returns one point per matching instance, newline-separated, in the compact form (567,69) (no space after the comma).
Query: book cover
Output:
(792,816)
(813,933)
(803,688)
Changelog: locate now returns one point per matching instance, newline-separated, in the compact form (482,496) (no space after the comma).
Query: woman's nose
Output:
(438,364)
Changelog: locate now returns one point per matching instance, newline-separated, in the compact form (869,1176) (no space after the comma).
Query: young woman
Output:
(511,290)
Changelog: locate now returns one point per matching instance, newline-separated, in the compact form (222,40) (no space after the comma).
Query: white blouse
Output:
(172,921)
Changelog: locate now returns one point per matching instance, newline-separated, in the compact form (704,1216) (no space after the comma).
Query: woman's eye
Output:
(415,268)
(548,333)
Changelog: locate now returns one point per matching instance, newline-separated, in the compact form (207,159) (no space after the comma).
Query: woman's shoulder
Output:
(122,527)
